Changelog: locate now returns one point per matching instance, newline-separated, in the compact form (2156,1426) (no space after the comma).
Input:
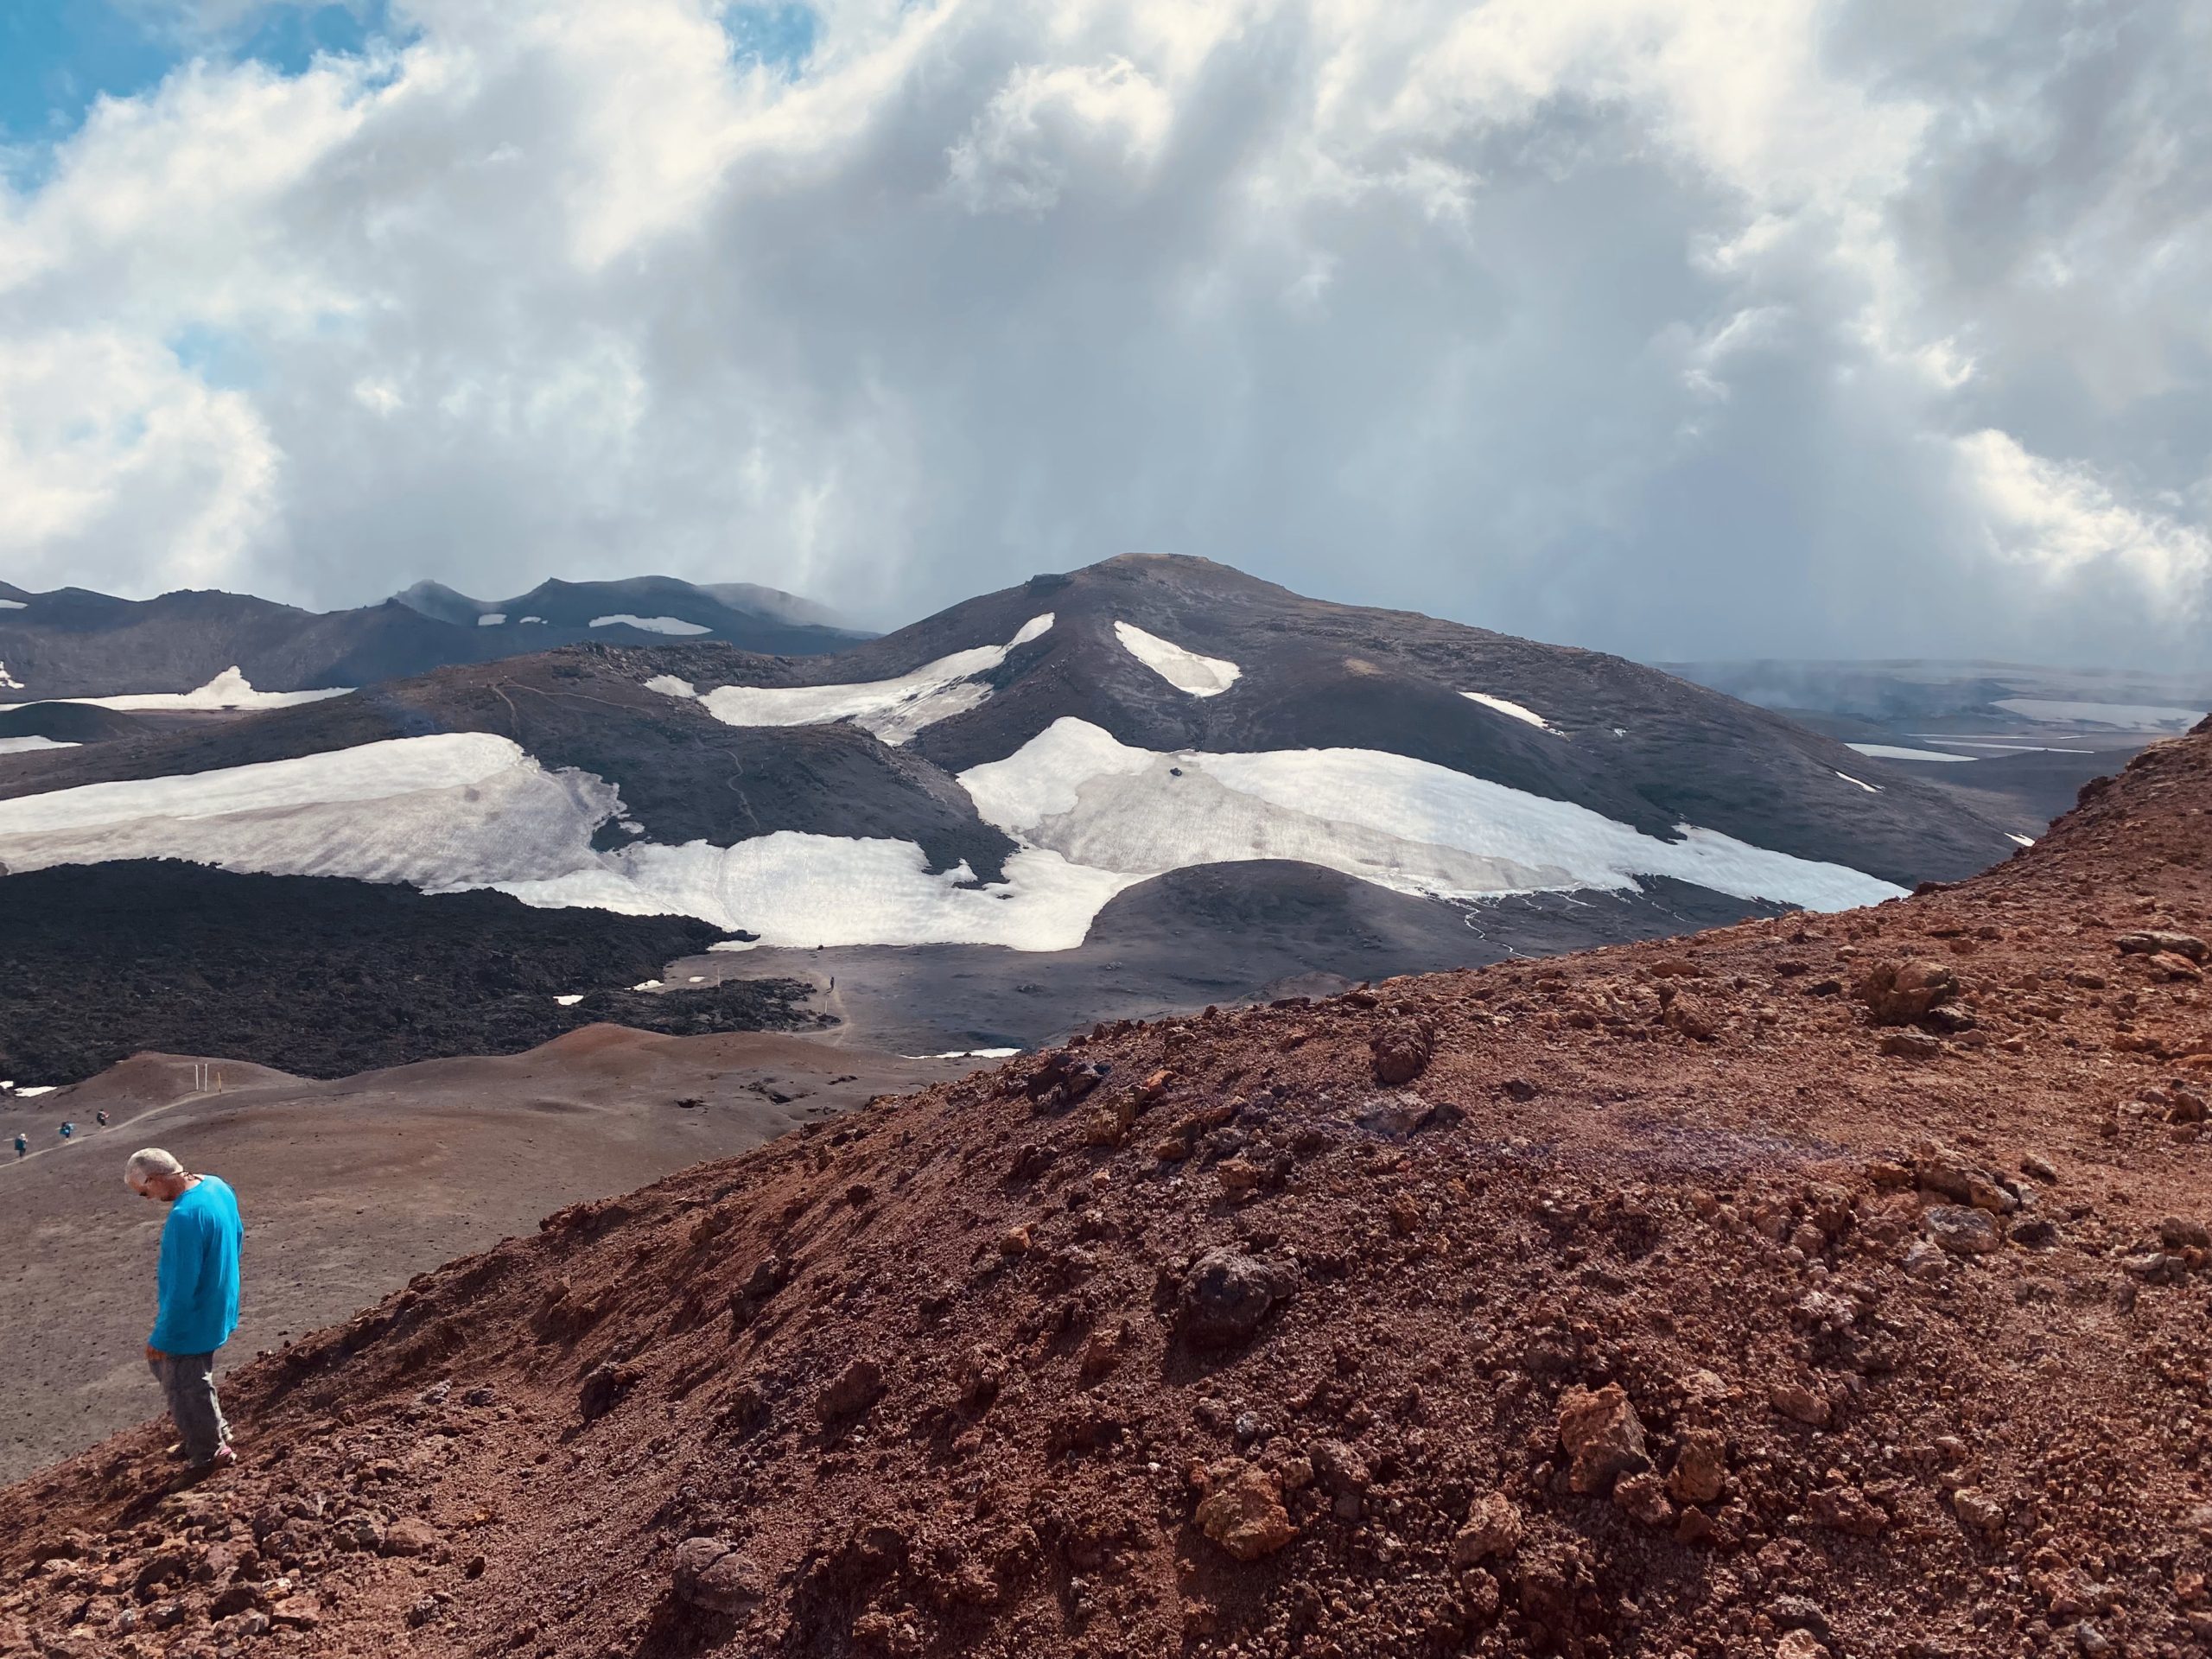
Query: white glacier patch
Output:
(1187,671)
(228,690)
(648,624)
(490,619)
(1385,818)
(893,709)
(1090,816)
(25,744)
(1518,711)
(1892,752)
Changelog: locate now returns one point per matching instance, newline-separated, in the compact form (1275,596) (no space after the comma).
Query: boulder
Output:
(409,1536)
(1493,1529)
(1961,1230)
(708,1573)
(856,1388)
(1899,993)
(1402,1050)
(1226,1294)
(1241,1510)
(1602,1435)
(1700,1468)
(2153,942)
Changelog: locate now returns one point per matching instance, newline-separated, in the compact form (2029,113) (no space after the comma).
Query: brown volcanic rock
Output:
(1881,1446)
(1898,993)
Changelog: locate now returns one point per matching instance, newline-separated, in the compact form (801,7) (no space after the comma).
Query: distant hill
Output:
(208,649)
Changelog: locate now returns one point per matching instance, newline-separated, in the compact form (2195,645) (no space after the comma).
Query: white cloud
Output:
(2059,520)
(1638,322)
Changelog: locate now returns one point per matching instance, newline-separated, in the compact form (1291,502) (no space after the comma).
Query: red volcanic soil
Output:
(1819,1286)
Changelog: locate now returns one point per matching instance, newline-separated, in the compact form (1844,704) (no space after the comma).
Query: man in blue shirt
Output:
(197,1283)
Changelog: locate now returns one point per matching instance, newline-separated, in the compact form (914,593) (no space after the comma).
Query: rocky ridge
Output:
(1809,1287)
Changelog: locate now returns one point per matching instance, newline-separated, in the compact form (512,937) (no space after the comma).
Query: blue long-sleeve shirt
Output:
(199,1276)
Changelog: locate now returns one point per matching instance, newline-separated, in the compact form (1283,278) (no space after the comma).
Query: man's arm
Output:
(177,1280)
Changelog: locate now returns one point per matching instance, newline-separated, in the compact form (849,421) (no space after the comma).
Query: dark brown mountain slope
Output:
(1658,1300)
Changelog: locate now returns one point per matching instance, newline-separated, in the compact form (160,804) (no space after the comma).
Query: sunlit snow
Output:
(35,1092)
(1890,752)
(9,681)
(1871,789)
(228,690)
(490,619)
(669,686)
(12,605)
(24,744)
(1201,677)
(1092,816)
(650,624)
(571,1000)
(1517,710)
(893,709)
(451,810)
(1385,818)
(2024,841)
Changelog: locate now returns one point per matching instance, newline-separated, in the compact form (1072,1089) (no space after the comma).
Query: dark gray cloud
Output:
(1684,330)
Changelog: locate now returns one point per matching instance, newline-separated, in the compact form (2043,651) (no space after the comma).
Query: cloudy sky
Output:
(1671,326)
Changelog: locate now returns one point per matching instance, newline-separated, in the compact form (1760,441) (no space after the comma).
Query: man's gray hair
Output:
(149,1163)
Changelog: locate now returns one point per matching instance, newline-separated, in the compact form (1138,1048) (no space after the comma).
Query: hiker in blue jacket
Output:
(197,1283)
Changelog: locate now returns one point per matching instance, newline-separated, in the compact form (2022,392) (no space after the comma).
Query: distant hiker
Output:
(22,1143)
(68,1129)
(198,1284)
(100,1118)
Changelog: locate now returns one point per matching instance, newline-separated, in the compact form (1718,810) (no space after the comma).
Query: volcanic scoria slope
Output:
(1817,1286)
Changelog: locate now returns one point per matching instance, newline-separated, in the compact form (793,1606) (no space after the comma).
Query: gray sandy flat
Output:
(351,1187)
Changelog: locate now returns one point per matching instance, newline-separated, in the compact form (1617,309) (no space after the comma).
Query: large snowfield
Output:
(1092,816)
(228,690)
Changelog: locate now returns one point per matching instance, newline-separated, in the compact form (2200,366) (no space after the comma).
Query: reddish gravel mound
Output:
(1662,1301)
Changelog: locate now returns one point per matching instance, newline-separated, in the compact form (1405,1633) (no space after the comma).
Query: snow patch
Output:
(798,889)
(571,1000)
(1187,671)
(24,744)
(9,681)
(228,690)
(2121,716)
(1871,789)
(528,619)
(650,624)
(462,809)
(1401,822)
(1519,712)
(490,619)
(669,686)
(1890,752)
(893,709)
(450,810)
(12,605)
(2024,841)
(33,1092)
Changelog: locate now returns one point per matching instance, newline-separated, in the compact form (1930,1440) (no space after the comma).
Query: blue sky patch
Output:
(778,37)
(59,57)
